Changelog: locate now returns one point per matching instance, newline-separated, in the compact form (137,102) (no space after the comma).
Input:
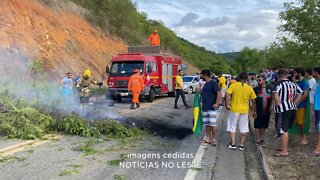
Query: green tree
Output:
(286,52)
(301,21)
(250,60)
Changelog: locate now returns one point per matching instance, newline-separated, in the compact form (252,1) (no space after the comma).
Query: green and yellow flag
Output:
(306,126)
(197,117)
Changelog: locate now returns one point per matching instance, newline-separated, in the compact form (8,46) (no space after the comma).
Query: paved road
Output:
(171,137)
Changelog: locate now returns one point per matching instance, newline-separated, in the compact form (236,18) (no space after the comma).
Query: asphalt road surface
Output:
(170,152)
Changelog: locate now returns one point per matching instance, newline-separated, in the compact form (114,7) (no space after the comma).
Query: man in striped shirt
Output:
(286,95)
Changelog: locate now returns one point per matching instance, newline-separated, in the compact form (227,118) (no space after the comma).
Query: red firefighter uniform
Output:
(135,85)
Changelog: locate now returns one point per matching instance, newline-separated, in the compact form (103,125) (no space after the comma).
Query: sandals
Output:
(204,141)
(213,143)
(280,154)
(315,153)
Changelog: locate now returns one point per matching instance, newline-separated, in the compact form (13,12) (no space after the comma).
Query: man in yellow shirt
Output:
(223,87)
(241,93)
(179,91)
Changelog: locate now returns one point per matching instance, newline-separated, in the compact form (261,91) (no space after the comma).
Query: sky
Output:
(218,25)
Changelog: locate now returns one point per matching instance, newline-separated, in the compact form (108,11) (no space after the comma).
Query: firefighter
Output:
(136,86)
(84,83)
(154,38)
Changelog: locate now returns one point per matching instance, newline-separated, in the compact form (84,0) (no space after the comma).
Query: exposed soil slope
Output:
(65,41)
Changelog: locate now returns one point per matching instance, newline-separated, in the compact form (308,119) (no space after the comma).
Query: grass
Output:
(68,172)
(88,148)
(119,177)
(211,168)
(196,169)
(11,159)
(75,165)
(116,162)
(30,151)
(159,144)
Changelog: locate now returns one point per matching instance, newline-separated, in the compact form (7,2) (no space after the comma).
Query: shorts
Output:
(233,120)
(300,116)
(317,120)
(209,118)
(262,121)
(223,92)
(284,121)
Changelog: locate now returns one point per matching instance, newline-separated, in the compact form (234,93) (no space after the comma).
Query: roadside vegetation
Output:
(32,114)
(30,123)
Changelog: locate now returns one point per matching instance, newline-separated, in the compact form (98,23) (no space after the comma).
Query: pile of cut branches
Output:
(25,123)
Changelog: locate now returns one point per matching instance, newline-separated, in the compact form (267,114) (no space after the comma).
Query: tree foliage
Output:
(301,20)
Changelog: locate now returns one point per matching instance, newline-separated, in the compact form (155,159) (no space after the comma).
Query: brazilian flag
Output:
(197,117)
(306,126)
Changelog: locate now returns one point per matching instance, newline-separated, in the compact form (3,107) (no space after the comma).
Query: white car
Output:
(190,83)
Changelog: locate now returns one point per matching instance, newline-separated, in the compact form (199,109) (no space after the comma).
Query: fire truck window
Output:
(125,68)
(114,68)
(147,65)
(154,67)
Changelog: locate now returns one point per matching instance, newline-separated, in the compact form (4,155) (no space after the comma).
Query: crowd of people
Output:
(292,94)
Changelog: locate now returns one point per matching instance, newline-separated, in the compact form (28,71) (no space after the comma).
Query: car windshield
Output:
(125,68)
(187,79)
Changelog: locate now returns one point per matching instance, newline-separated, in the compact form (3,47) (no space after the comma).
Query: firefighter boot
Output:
(81,99)
(132,106)
(138,105)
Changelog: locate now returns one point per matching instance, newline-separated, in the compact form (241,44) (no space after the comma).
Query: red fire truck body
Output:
(157,70)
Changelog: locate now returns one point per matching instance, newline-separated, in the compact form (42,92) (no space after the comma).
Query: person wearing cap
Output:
(154,38)
(84,84)
(135,85)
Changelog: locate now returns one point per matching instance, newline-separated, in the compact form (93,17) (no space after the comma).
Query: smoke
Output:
(20,79)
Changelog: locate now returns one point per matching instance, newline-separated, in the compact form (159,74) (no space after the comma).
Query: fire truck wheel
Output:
(152,94)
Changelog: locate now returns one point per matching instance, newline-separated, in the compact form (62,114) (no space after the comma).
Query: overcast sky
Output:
(218,25)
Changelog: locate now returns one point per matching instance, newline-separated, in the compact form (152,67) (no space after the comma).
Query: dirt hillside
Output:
(57,32)
(65,41)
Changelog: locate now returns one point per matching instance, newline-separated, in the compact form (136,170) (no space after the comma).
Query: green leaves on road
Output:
(73,124)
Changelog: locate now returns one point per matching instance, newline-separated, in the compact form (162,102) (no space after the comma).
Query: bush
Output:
(26,123)
(73,124)
(114,129)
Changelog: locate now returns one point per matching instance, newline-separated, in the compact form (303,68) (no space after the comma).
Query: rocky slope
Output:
(59,36)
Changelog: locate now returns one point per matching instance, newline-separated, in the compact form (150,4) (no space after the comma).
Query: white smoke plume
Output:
(18,79)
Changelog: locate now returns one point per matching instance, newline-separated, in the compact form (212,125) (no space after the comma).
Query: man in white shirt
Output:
(312,85)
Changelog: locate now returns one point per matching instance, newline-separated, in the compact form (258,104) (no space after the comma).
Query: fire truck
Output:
(157,69)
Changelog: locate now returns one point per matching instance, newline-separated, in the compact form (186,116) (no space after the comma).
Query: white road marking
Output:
(191,174)
(24,145)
